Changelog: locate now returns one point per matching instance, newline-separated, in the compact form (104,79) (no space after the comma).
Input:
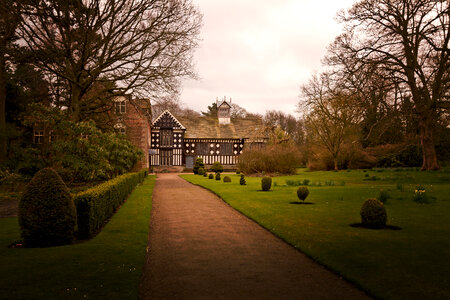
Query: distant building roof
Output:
(208,127)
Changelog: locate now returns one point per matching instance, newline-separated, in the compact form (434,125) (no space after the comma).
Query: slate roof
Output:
(208,127)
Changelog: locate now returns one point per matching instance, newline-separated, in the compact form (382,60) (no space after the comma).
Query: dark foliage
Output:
(242,180)
(302,193)
(266,183)
(217,167)
(47,214)
(373,214)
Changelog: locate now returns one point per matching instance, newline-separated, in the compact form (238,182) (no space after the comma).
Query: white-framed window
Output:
(38,136)
(120,107)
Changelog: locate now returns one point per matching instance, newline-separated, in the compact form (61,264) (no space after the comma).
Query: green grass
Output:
(411,263)
(108,266)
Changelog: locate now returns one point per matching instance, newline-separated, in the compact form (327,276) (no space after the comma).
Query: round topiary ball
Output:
(201,171)
(211,176)
(217,176)
(373,214)
(302,193)
(226,179)
(47,214)
(266,183)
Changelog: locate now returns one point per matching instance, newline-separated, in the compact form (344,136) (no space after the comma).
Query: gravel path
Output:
(201,248)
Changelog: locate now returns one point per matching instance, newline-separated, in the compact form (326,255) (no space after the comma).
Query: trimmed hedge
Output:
(97,204)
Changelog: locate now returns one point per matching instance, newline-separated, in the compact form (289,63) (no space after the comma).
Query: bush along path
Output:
(199,247)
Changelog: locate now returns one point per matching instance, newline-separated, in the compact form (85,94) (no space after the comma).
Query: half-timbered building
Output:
(178,141)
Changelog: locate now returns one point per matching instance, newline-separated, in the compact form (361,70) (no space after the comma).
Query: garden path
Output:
(199,247)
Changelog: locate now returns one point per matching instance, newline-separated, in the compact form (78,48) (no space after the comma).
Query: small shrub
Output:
(329,182)
(227,179)
(366,175)
(302,193)
(201,171)
(275,183)
(266,183)
(290,182)
(198,164)
(211,176)
(205,174)
(238,171)
(217,167)
(400,187)
(306,182)
(47,214)
(420,195)
(242,180)
(373,214)
(217,176)
(342,183)
(383,196)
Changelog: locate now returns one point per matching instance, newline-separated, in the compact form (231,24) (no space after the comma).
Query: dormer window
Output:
(120,107)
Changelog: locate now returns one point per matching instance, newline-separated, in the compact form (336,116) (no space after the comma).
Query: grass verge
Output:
(108,266)
(411,263)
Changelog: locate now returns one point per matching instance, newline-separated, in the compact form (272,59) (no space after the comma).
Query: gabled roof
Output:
(224,102)
(167,120)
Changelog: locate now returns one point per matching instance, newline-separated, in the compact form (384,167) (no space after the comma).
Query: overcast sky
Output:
(259,52)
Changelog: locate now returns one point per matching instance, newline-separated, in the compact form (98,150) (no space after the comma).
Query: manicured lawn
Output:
(411,263)
(108,266)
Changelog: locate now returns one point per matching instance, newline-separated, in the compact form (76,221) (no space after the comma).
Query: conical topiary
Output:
(47,214)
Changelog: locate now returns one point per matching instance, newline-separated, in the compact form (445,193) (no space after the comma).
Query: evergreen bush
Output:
(242,180)
(217,176)
(227,179)
(217,167)
(238,171)
(198,164)
(211,176)
(302,193)
(201,171)
(205,174)
(47,214)
(373,214)
(266,183)
(383,196)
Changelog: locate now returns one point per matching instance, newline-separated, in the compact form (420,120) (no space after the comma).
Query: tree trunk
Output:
(335,160)
(428,149)
(75,98)
(3,135)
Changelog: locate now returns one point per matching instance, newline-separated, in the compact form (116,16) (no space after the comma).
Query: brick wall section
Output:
(138,132)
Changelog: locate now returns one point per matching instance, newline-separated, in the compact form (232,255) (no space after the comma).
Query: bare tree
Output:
(409,39)
(143,46)
(331,115)
(288,123)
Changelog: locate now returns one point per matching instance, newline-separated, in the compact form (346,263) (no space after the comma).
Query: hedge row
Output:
(97,204)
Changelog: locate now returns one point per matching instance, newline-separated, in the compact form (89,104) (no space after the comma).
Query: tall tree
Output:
(409,39)
(144,46)
(331,114)
(9,20)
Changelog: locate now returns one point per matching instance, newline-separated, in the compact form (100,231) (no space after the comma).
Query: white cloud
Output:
(260,52)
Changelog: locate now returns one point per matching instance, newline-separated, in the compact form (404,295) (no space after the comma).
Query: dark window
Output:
(120,107)
(226,149)
(38,136)
(166,157)
(202,148)
(166,138)
(52,136)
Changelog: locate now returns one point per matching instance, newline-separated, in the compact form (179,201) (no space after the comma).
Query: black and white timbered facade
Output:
(171,147)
